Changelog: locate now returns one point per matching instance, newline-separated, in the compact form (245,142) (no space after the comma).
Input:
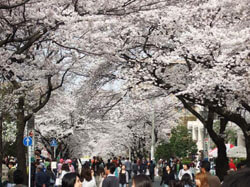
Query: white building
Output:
(203,141)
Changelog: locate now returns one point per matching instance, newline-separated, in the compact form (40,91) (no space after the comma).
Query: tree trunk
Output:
(222,160)
(1,143)
(247,142)
(21,157)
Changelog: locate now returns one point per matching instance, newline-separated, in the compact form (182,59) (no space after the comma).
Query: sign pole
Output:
(53,143)
(29,153)
(54,152)
(27,141)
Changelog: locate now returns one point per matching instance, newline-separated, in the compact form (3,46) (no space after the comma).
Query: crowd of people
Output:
(121,172)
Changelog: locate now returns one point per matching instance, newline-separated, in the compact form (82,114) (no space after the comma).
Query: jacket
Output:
(213,181)
(167,177)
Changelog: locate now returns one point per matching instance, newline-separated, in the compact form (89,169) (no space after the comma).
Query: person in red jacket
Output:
(232,165)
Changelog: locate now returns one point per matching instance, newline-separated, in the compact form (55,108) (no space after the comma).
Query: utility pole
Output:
(153,133)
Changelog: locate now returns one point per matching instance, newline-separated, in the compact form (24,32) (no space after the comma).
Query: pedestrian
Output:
(152,170)
(115,161)
(117,170)
(123,160)
(18,178)
(144,166)
(87,177)
(179,167)
(107,167)
(187,181)
(51,175)
(141,181)
(59,165)
(192,170)
(100,176)
(71,167)
(5,170)
(10,173)
(123,177)
(201,180)
(184,171)
(135,168)
(111,180)
(41,178)
(64,170)
(71,180)
(128,165)
(238,179)
(167,176)
(213,181)
(232,165)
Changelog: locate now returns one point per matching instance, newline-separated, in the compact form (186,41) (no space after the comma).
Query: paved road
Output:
(155,184)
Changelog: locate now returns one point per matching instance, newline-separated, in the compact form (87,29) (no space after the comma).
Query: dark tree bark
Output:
(19,139)
(221,160)
(1,143)
(240,121)
(22,119)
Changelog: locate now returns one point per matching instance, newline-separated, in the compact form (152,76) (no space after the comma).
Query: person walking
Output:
(88,179)
(201,180)
(71,167)
(213,181)
(184,171)
(64,170)
(51,175)
(111,180)
(167,176)
(123,177)
(152,170)
(10,173)
(232,165)
(128,167)
(18,178)
(135,168)
(41,179)
(141,181)
(186,179)
(100,177)
(71,180)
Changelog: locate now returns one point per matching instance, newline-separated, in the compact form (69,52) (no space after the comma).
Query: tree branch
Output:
(193,111)
(245,105)
(47,95)
(13,6)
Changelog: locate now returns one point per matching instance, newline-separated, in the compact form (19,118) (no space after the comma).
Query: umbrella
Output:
(237,152)
(214,152)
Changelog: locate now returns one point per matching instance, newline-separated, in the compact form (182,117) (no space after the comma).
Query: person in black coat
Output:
(167,175)
(42,179)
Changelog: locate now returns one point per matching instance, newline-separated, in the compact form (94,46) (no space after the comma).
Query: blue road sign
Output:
(27,141)
(53,143)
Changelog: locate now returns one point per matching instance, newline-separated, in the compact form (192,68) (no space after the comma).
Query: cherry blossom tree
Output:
(195,50)
(30,63)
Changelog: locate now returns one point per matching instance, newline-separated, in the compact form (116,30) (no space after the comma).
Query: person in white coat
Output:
(184,171)
(88,179)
